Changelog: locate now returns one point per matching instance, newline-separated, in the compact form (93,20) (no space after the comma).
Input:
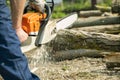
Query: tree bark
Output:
(92,21)
(93,3)
(73,39)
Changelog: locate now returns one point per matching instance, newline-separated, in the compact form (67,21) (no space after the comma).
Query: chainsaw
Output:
(36,24)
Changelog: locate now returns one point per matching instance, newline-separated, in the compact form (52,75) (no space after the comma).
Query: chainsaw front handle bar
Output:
(43,24)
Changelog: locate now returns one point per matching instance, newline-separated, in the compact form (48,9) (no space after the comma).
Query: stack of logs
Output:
(94,34)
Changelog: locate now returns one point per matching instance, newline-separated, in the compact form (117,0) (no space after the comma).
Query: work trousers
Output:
(13,63)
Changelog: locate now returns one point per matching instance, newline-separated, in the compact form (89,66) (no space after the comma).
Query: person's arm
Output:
(17,7)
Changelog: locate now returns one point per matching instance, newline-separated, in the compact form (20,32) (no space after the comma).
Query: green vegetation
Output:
(58,12)
(106,3)
(69,6)
(8,2)
(77,6)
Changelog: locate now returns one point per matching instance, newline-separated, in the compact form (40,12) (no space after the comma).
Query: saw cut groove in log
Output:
(110,29)
(73,39)
(93,21)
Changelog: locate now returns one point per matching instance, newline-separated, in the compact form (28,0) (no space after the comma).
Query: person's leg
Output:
(13,64)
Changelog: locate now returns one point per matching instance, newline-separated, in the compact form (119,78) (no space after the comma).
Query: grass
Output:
(69,7)
(62,11)
(106,3)
(77,7)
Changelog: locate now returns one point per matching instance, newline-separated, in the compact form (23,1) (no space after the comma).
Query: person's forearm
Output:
(17,7)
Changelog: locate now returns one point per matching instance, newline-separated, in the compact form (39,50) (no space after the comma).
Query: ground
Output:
(82,68)
(77,69)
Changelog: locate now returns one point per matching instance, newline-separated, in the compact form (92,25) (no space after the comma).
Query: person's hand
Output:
(22,35)
(37,5)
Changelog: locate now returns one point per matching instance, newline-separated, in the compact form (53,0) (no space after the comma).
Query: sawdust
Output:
(77,69)
(82,68)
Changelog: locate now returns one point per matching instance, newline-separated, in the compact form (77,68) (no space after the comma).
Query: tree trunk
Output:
(93,3)
(92,21)
(74,39)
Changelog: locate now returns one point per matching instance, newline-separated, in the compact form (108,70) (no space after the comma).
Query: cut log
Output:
(108,57)
(113,57)
(113,60)
(103,9)
(73,39)
(90,13)
(72,54)
(92,21)
(109,14)
(110,29)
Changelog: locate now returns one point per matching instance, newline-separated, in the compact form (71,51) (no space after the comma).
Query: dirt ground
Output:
(77,69)
(82,68)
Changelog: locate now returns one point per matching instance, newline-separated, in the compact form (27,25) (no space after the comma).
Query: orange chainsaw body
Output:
(31,22)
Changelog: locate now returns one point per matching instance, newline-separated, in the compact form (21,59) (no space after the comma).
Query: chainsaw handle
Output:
(51,3)
(48,12)
(43,24)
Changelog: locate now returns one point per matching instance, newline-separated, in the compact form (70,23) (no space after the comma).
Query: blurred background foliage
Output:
(69,6)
